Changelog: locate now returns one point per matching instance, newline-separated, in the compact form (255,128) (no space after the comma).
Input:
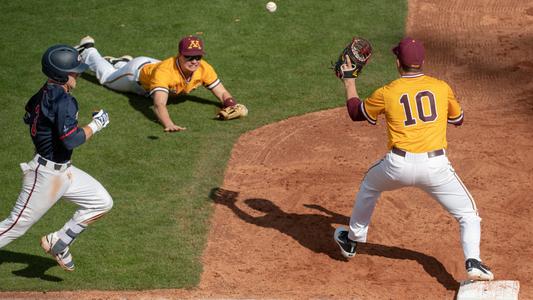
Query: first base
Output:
(488,290)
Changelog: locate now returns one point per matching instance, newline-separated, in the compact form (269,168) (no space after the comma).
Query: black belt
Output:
(51,164)
(430,154)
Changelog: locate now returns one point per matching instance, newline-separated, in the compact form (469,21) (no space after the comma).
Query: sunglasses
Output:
(190,58)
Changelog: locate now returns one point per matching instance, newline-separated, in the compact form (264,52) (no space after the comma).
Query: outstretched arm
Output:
(223,95)
(353,103)
(160,109)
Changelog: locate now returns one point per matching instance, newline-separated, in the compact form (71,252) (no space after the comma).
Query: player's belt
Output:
(51,164)
(430,154)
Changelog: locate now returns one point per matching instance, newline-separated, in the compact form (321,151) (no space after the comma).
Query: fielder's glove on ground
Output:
(100,120)
(232,112)
(354,57)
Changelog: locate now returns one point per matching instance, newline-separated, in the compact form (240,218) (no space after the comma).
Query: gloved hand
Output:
(233,112)
(100,120)
(352,58)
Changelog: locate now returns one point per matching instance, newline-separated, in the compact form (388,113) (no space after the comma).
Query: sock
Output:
(70,231)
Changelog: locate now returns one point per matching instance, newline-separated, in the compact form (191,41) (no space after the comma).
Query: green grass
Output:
(276,64)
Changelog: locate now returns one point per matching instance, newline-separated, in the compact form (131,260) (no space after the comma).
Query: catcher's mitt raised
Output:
(232,112)
(358,51)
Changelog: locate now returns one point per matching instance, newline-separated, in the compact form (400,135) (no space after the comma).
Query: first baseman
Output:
(180,74)
(417,109)
(52,118)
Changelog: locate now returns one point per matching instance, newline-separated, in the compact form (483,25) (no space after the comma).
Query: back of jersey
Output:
(417,109)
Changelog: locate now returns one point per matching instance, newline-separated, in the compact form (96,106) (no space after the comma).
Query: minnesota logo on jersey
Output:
(418,109)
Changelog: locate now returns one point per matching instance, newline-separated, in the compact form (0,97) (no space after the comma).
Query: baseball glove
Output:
(354,56)
(232,112)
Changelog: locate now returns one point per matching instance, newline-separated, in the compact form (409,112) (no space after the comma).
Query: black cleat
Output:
(477,271)
(347,246)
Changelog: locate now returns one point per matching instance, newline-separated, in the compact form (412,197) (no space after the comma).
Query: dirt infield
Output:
(292,182)
(289,184)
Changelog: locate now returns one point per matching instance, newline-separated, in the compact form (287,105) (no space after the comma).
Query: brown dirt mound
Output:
(289,184)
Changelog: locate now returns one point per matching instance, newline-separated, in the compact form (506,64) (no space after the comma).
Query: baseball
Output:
(271,6)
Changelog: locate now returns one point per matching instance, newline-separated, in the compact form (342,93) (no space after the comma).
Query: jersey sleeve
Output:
(160,80)
(67,123)
(209,77)
(373,106)
(455,112)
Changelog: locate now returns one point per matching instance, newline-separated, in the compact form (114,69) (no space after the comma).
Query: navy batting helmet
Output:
(59,60)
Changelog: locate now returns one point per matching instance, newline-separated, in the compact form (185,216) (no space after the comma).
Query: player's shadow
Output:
(315,232)
(36,266)
(144,104)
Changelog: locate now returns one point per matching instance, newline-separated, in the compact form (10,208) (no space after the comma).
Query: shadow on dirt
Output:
(315,232)
(36,265)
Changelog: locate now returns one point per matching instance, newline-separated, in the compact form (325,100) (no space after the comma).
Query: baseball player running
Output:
(417,109)
(146,76)
(51,115)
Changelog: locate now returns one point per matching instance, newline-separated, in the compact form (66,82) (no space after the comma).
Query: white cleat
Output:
(477,271)
(63,256)
(85,43)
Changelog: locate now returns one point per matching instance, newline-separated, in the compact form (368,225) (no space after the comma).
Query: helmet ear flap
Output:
(60,60)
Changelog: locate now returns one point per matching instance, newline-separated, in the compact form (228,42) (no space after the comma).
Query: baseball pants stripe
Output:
(21,211)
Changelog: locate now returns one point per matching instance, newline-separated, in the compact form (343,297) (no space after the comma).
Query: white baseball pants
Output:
(124,78)
(434,175)
(43,186)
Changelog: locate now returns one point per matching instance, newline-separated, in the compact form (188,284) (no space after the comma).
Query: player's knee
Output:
(106,202)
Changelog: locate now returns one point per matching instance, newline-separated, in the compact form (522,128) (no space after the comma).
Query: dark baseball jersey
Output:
(52,115)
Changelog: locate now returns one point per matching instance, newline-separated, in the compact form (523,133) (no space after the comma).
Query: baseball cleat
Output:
(477,271)
(85,43)
(347,246)
(63,257)
(113,60)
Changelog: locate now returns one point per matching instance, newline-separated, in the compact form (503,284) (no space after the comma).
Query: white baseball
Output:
(271,6)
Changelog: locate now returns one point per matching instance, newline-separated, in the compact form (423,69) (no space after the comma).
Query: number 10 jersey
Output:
(417,109)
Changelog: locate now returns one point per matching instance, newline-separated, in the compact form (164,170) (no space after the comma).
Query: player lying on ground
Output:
(146,76)
(417,109)
(51,115)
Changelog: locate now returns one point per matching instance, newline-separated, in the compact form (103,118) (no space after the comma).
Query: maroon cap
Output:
(410,52)
(191,46)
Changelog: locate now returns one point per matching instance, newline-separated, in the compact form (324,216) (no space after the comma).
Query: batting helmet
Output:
(59,60)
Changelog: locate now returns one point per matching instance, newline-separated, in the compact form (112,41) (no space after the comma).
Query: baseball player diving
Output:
(417,109)
(52,118)
(150,77)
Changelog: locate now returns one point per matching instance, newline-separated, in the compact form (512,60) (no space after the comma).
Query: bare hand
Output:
(347,69)
(174,128)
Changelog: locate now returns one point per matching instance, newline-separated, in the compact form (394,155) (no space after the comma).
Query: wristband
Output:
(94,127)
(229,102)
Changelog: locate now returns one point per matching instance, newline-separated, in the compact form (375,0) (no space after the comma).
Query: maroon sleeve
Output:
(457,121)
(354,109)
